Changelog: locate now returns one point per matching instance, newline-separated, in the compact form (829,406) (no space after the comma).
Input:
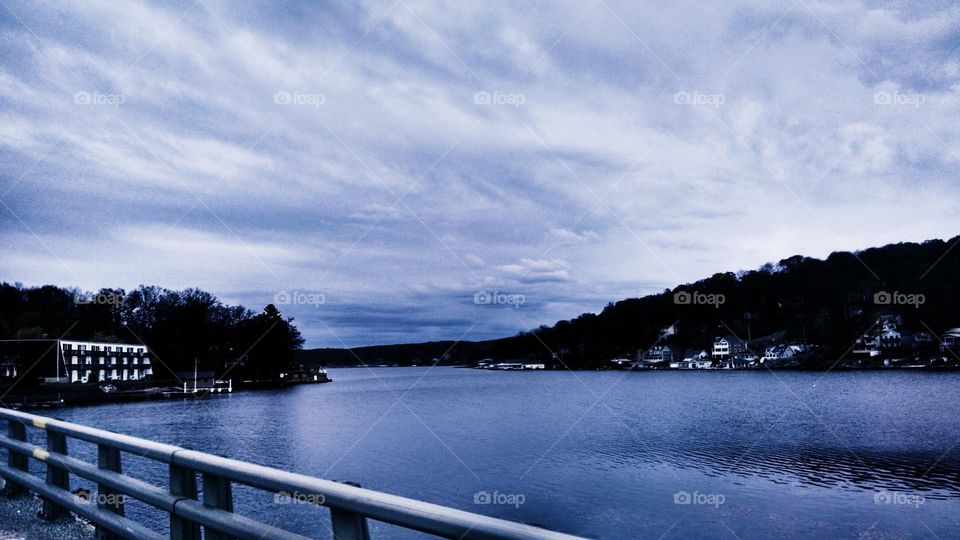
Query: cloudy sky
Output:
(374,165)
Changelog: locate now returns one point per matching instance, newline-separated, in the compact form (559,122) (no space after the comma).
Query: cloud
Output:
(411,154)
(566,234)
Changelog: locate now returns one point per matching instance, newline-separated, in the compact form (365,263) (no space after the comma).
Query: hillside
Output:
(829,303)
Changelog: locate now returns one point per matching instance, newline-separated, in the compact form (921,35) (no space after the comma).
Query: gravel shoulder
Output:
(19,520)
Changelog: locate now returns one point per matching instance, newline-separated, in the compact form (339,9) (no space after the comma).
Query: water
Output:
(598,454)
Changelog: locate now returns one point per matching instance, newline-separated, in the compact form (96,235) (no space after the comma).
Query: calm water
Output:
(598,454)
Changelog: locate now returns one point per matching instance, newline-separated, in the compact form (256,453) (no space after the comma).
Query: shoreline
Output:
(55,395)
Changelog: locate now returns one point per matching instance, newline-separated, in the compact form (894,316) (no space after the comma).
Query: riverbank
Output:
(50,395)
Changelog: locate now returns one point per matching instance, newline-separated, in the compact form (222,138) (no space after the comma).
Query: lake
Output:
(652,454)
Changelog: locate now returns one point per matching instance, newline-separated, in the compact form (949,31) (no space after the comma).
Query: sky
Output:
(407,170)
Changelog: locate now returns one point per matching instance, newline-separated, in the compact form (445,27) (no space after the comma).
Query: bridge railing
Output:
(211,509)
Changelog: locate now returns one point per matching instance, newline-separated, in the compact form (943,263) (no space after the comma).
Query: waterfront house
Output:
(889,322)
(660,353)
(727,347)
(704,363)
(98,362)
(773,353)
(694,355)
(737,363)
(782,352)
(868,345)
(865,348)
(950,340)
(890,339)
(70,361)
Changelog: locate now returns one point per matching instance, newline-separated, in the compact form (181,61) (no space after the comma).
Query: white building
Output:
(890,339)
(89,361)
(725,347)
(781,352)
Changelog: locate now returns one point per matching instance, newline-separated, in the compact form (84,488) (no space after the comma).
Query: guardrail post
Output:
(183,482)
(217,493)
(56,476)
(108,459)
(348,525)
(15,460)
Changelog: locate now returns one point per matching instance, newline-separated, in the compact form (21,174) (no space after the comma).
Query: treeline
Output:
(829,303)
(179,327)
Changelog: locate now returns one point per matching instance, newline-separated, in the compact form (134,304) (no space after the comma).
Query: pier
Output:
(208,512)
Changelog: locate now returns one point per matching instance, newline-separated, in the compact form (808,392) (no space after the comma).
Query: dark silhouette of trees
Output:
(271,343)
(180,327)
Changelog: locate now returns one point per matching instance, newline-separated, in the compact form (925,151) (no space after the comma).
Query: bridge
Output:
(208,512)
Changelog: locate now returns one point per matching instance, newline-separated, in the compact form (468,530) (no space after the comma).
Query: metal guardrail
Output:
(350,505)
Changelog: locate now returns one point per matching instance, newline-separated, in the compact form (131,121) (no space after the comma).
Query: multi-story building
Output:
(68,361)
(728,347)
(658,354)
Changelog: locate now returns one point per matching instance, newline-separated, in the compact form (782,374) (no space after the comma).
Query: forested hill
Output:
(179,327)
(829,303)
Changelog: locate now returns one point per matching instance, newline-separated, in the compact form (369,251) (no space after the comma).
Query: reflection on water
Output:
(601,454)
(926,473)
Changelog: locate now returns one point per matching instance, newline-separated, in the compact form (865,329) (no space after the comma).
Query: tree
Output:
(272,342)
